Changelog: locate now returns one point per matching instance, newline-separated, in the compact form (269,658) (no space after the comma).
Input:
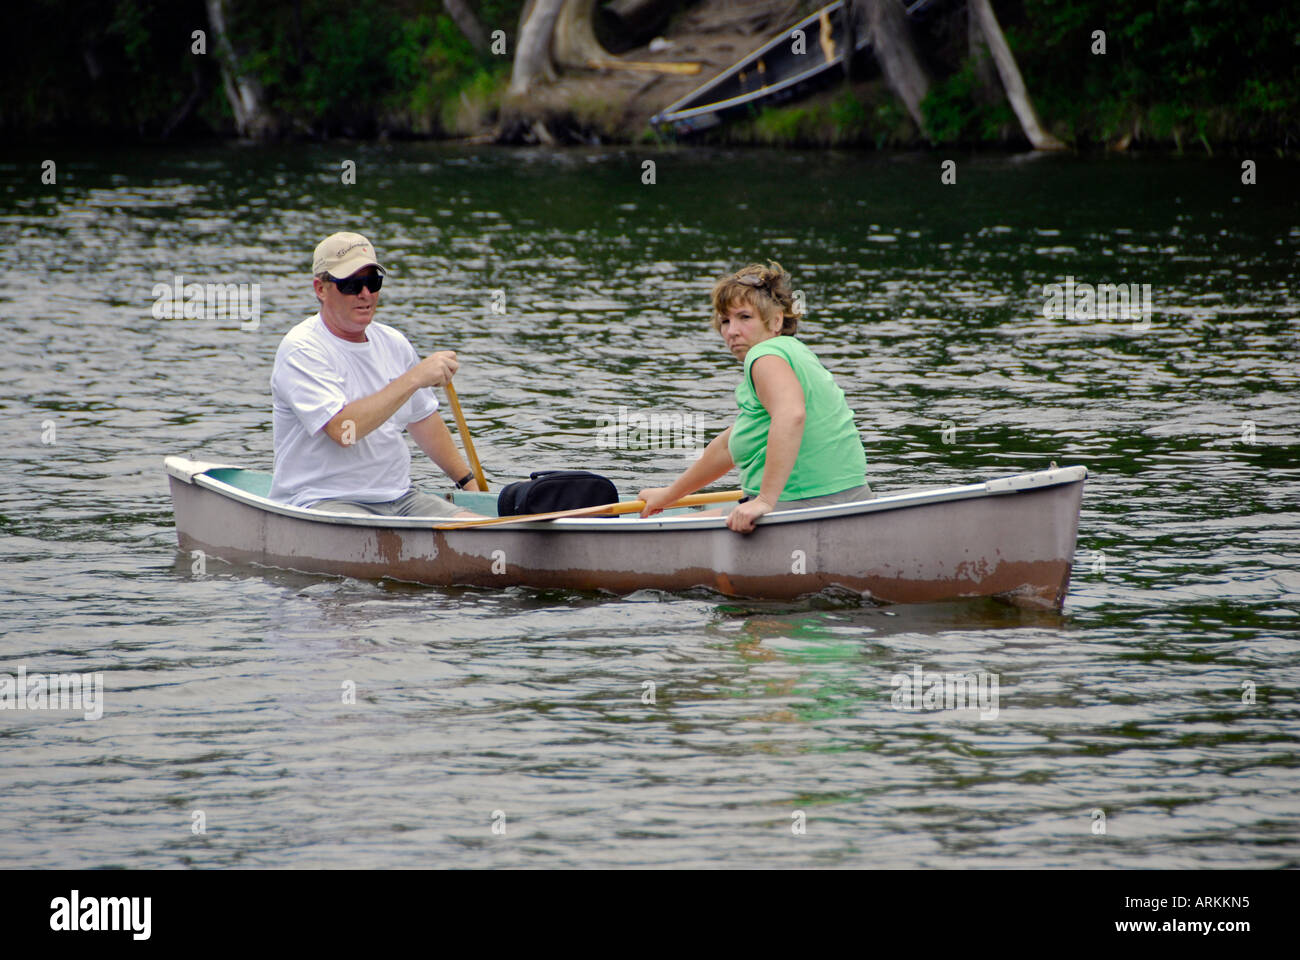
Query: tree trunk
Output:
(243,92)
(574,43)
(533,49)
(988,90)
(464,17)
(1012,82)
(852,20)
(200,92)
(891,42)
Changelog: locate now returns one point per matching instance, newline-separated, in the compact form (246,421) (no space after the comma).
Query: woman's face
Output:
(741,327)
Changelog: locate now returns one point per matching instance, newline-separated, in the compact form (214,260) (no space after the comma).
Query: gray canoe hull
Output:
(1012,538)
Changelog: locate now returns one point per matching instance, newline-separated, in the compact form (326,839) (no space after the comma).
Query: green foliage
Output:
(477,102)
(96,65)
(1171,70)
(325,67)
(826,120)
(359,69)
(953,114)
(848,114)
(782,124)
(949,109)
(1174,71)
(890,117)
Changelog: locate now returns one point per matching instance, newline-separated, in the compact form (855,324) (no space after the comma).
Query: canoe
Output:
(772,74)
(1011,537)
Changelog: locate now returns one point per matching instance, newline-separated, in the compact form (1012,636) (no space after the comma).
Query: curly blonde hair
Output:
(766,289)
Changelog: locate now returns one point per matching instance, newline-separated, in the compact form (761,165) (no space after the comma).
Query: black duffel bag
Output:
(549,490)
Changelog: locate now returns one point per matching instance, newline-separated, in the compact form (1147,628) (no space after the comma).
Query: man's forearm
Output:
(366,415)
(435,439)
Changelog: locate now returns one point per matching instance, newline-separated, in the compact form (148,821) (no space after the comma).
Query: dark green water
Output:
(222,692)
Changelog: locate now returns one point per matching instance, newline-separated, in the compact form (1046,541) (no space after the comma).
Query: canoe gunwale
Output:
(186,470)
(678,111)
(762,93)
(194,472)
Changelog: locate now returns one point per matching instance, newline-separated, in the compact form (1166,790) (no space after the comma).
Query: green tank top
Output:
(831,457)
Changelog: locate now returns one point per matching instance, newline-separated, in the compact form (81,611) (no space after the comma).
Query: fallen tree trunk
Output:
(891,42)
(242,91)
(1012,82)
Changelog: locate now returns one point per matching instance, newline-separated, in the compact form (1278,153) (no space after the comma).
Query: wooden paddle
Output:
(605,510)
(464,432)
(646,66)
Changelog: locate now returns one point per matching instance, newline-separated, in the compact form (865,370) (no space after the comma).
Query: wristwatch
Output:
(463,481)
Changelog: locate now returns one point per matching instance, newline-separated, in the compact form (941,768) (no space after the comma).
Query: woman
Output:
(794,440)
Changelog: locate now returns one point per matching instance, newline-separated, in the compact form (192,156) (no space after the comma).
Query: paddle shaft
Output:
(605,510)
(688,67)
(464,432)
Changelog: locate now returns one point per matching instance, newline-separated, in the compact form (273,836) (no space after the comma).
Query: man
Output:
(343,388)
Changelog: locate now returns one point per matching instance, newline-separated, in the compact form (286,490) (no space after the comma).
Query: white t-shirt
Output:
(317,374)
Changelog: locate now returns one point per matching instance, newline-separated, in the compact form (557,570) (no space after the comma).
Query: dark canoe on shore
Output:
(775,73)
(1012,538)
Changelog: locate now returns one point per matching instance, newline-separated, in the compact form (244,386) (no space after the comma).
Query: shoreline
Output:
(589,105)
(761,133)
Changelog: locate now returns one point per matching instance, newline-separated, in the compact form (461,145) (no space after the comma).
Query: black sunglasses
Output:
(351,286)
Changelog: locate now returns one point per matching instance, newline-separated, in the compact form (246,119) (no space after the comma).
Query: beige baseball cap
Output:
(343,254)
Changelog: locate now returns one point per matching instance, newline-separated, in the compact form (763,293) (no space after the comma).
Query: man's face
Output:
(348,315)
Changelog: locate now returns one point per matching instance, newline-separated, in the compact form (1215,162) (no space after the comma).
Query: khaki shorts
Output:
(410,504)
(844,496)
